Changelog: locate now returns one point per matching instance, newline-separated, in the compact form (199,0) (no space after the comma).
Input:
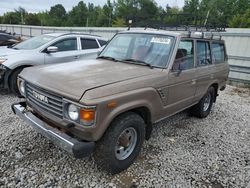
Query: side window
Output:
(218,52)
(184,58)
(2,38)
(89,44)
(66,45)
(102,42)
(203,53)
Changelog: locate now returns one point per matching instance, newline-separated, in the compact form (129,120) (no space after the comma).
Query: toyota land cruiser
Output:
(108,105)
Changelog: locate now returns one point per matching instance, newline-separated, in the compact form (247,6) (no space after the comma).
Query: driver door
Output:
(67,51)
(182,79)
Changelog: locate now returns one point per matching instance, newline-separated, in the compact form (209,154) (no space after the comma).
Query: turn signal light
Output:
(87,116)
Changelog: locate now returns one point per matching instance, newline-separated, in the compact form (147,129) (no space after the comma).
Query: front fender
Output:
(146,97)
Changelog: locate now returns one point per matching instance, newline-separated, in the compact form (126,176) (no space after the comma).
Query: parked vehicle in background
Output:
(108,105)
(8,40)
(45,49)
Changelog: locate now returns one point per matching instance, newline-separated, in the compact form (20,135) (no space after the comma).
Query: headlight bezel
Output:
(67,103)
(2,60)
(21,82)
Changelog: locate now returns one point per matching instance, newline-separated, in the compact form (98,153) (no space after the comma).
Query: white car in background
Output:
(45,49)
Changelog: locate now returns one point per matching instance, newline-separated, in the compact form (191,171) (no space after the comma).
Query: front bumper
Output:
(77,148)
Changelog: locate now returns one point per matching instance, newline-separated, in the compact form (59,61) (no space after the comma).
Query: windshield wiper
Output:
(107,57)
(137,61)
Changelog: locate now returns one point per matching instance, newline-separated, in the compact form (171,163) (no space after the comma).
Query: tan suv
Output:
(108,106)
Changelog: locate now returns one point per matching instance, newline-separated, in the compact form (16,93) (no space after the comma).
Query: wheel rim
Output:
(126,143)
(207,102)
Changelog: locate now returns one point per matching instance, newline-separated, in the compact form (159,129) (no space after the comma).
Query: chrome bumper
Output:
(77,148)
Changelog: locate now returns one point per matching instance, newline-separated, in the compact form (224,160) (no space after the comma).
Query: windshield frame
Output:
(173,38)
(52,38)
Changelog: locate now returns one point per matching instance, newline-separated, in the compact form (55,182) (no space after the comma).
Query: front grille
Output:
(53,103)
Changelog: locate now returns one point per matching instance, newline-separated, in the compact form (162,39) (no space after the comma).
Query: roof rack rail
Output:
(179,22)
(80,33)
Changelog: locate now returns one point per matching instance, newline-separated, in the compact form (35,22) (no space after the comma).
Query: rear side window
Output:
(89,44)
(102,42)
(203,53)
(218,52)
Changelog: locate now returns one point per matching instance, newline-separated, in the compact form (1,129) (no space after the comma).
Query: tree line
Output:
(219,13)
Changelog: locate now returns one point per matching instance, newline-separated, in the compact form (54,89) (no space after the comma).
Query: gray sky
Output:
(41,5)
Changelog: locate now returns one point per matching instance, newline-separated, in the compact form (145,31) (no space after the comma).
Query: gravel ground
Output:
(183,152)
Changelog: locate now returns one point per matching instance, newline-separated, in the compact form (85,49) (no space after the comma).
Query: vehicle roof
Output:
(154,31)
(81,34)
(6,34)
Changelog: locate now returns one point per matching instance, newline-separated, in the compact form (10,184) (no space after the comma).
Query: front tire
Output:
(203,108)
(121,143)
(13,82)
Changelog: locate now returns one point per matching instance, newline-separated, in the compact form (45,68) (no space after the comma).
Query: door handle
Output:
(76,57)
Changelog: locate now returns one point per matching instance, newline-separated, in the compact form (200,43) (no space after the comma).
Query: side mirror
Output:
(178,68)
(52,49)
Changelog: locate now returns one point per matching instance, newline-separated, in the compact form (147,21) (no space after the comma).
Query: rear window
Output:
(89,44)
(218,52)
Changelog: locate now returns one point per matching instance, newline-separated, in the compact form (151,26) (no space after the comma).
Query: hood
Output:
(73,79)
(5,51)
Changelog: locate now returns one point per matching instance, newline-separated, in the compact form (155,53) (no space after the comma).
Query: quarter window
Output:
(218,51)
(66,45)
(185,55)
(203,53)
(89,44)
(102,42)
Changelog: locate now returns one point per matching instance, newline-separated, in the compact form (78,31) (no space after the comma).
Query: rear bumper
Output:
(73,146)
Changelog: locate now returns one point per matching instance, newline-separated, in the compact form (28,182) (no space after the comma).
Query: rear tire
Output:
(13,82)
(121,143)
(203,108)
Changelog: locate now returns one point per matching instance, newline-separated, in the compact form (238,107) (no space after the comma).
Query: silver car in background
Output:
(45,49)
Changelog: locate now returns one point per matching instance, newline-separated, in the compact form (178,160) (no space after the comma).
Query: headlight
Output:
(21,86)
(2,60)
(81,115)
(73,112)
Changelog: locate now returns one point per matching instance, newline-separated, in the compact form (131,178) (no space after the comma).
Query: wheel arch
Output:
(144,113)
(216,87)
(7,80)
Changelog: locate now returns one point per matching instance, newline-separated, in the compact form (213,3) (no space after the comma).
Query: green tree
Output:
(78,15)
(119,22)
(32,19)
(242,21)
(44,18)
(57,15)
(21,13)
(11,18)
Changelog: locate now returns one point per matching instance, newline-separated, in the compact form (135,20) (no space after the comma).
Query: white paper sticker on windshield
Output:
(161,40)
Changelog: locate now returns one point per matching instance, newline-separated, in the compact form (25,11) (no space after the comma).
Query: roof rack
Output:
(179,22)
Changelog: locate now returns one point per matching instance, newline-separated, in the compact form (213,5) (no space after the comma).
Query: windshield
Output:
(33,43)
(152,49)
